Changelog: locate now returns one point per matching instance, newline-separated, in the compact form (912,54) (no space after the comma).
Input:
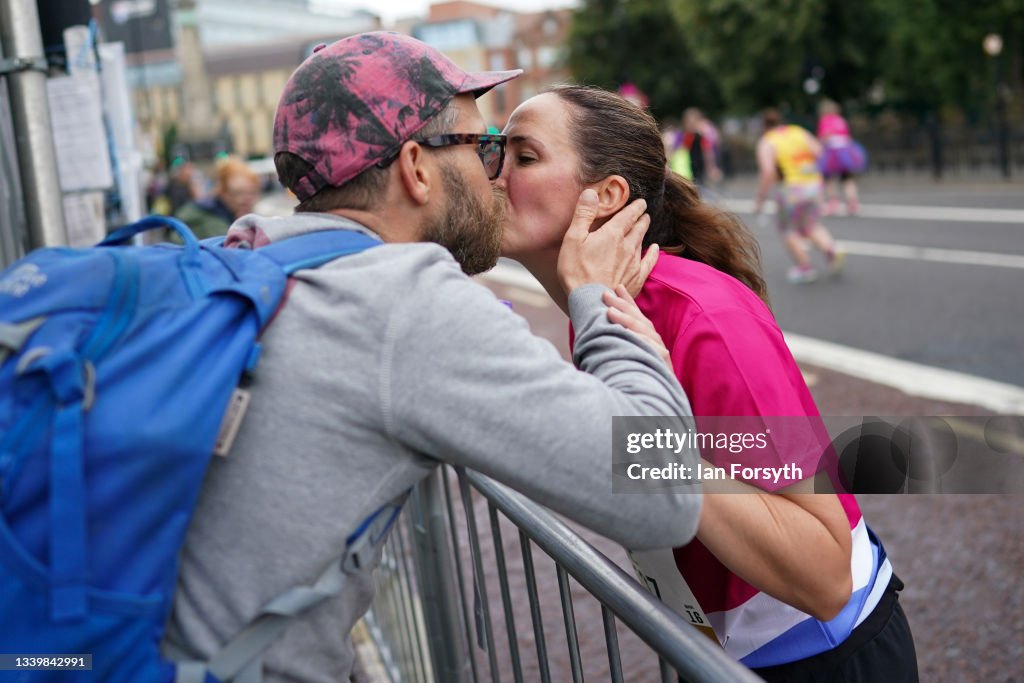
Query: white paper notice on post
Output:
(80,139)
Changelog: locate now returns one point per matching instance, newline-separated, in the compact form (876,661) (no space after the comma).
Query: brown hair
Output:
(771,117)
(827,106)
(615,137)
(231,167)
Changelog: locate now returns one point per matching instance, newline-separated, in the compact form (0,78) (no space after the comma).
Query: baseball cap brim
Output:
(480,82)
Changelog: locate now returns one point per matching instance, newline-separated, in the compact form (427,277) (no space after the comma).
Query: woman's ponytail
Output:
(684,225)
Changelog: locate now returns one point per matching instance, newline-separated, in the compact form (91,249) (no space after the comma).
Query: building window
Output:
(449,35)
(225,95)
(525,57)
(547,56)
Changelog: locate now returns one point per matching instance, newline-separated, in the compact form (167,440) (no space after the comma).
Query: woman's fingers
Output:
(622,310)
(623,293)
(635,282)
(621,302)
(621,317)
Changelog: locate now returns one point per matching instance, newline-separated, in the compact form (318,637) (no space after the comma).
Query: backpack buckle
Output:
(67,384)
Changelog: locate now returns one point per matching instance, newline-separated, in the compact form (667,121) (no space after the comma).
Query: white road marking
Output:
(910,378)
(960,214)
(915,253)
(915,379)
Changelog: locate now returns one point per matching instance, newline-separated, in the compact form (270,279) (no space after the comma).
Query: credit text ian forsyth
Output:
(707,442)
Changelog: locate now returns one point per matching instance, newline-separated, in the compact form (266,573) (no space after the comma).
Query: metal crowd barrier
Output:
(432,618)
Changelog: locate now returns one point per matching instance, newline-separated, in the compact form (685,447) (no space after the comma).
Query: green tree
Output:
(792,52)
(615,41)
(757,49)
(933,54)
(763,52)
(847,44)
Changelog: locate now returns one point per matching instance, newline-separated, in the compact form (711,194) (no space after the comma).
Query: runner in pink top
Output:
(818,600)
(831,125)
(732,360)
(842,158)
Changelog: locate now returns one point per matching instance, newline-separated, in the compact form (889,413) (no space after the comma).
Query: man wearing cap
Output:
(387,362)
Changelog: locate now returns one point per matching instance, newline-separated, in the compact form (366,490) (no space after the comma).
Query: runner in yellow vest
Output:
(787,160)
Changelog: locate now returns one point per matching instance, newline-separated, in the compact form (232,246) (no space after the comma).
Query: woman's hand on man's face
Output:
(609,255)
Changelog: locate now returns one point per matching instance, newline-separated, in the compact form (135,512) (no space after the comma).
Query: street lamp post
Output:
(993,47)
(22,42)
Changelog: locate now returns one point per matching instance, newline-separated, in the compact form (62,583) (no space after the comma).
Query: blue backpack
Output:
(117,365)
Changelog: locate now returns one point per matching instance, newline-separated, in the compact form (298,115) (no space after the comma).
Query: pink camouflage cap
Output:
(356,101)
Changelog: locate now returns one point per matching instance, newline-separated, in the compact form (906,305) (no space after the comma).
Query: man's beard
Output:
(467,229)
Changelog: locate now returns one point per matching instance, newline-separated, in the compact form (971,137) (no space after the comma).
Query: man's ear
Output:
(416,178)
(612,195)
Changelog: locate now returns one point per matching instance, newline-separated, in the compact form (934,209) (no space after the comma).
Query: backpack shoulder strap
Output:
(239,660)
(316,248)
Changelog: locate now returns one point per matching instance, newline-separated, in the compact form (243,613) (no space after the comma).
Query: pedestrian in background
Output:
(842,160)
(692,151)
(235,194)
(184,184)
(700,138)
(794,152)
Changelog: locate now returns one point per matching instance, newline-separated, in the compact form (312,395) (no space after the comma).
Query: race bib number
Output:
(657,571)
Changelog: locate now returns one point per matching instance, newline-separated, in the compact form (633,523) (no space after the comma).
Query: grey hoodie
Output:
(380,366)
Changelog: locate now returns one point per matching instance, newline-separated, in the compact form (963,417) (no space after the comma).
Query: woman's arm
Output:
(794,546)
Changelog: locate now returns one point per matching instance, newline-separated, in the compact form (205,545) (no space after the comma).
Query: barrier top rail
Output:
(689,652)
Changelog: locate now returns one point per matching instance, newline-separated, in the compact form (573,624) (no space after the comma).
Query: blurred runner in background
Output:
(843,158)
(788,154)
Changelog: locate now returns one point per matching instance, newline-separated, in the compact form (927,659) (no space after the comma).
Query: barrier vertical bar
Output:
(611,639)
(432,555)
(570,624)
(535,615)
(398,614)
(479,583)
(460,576)
(506,598)
(411,613)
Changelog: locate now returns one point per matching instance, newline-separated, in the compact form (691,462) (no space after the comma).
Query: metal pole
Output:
(30,114)
(1004,137)
(12,214)
(432,555)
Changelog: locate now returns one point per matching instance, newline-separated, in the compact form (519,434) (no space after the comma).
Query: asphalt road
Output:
(931,285)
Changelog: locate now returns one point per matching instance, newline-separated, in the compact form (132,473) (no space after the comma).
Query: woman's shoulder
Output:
(702,288)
